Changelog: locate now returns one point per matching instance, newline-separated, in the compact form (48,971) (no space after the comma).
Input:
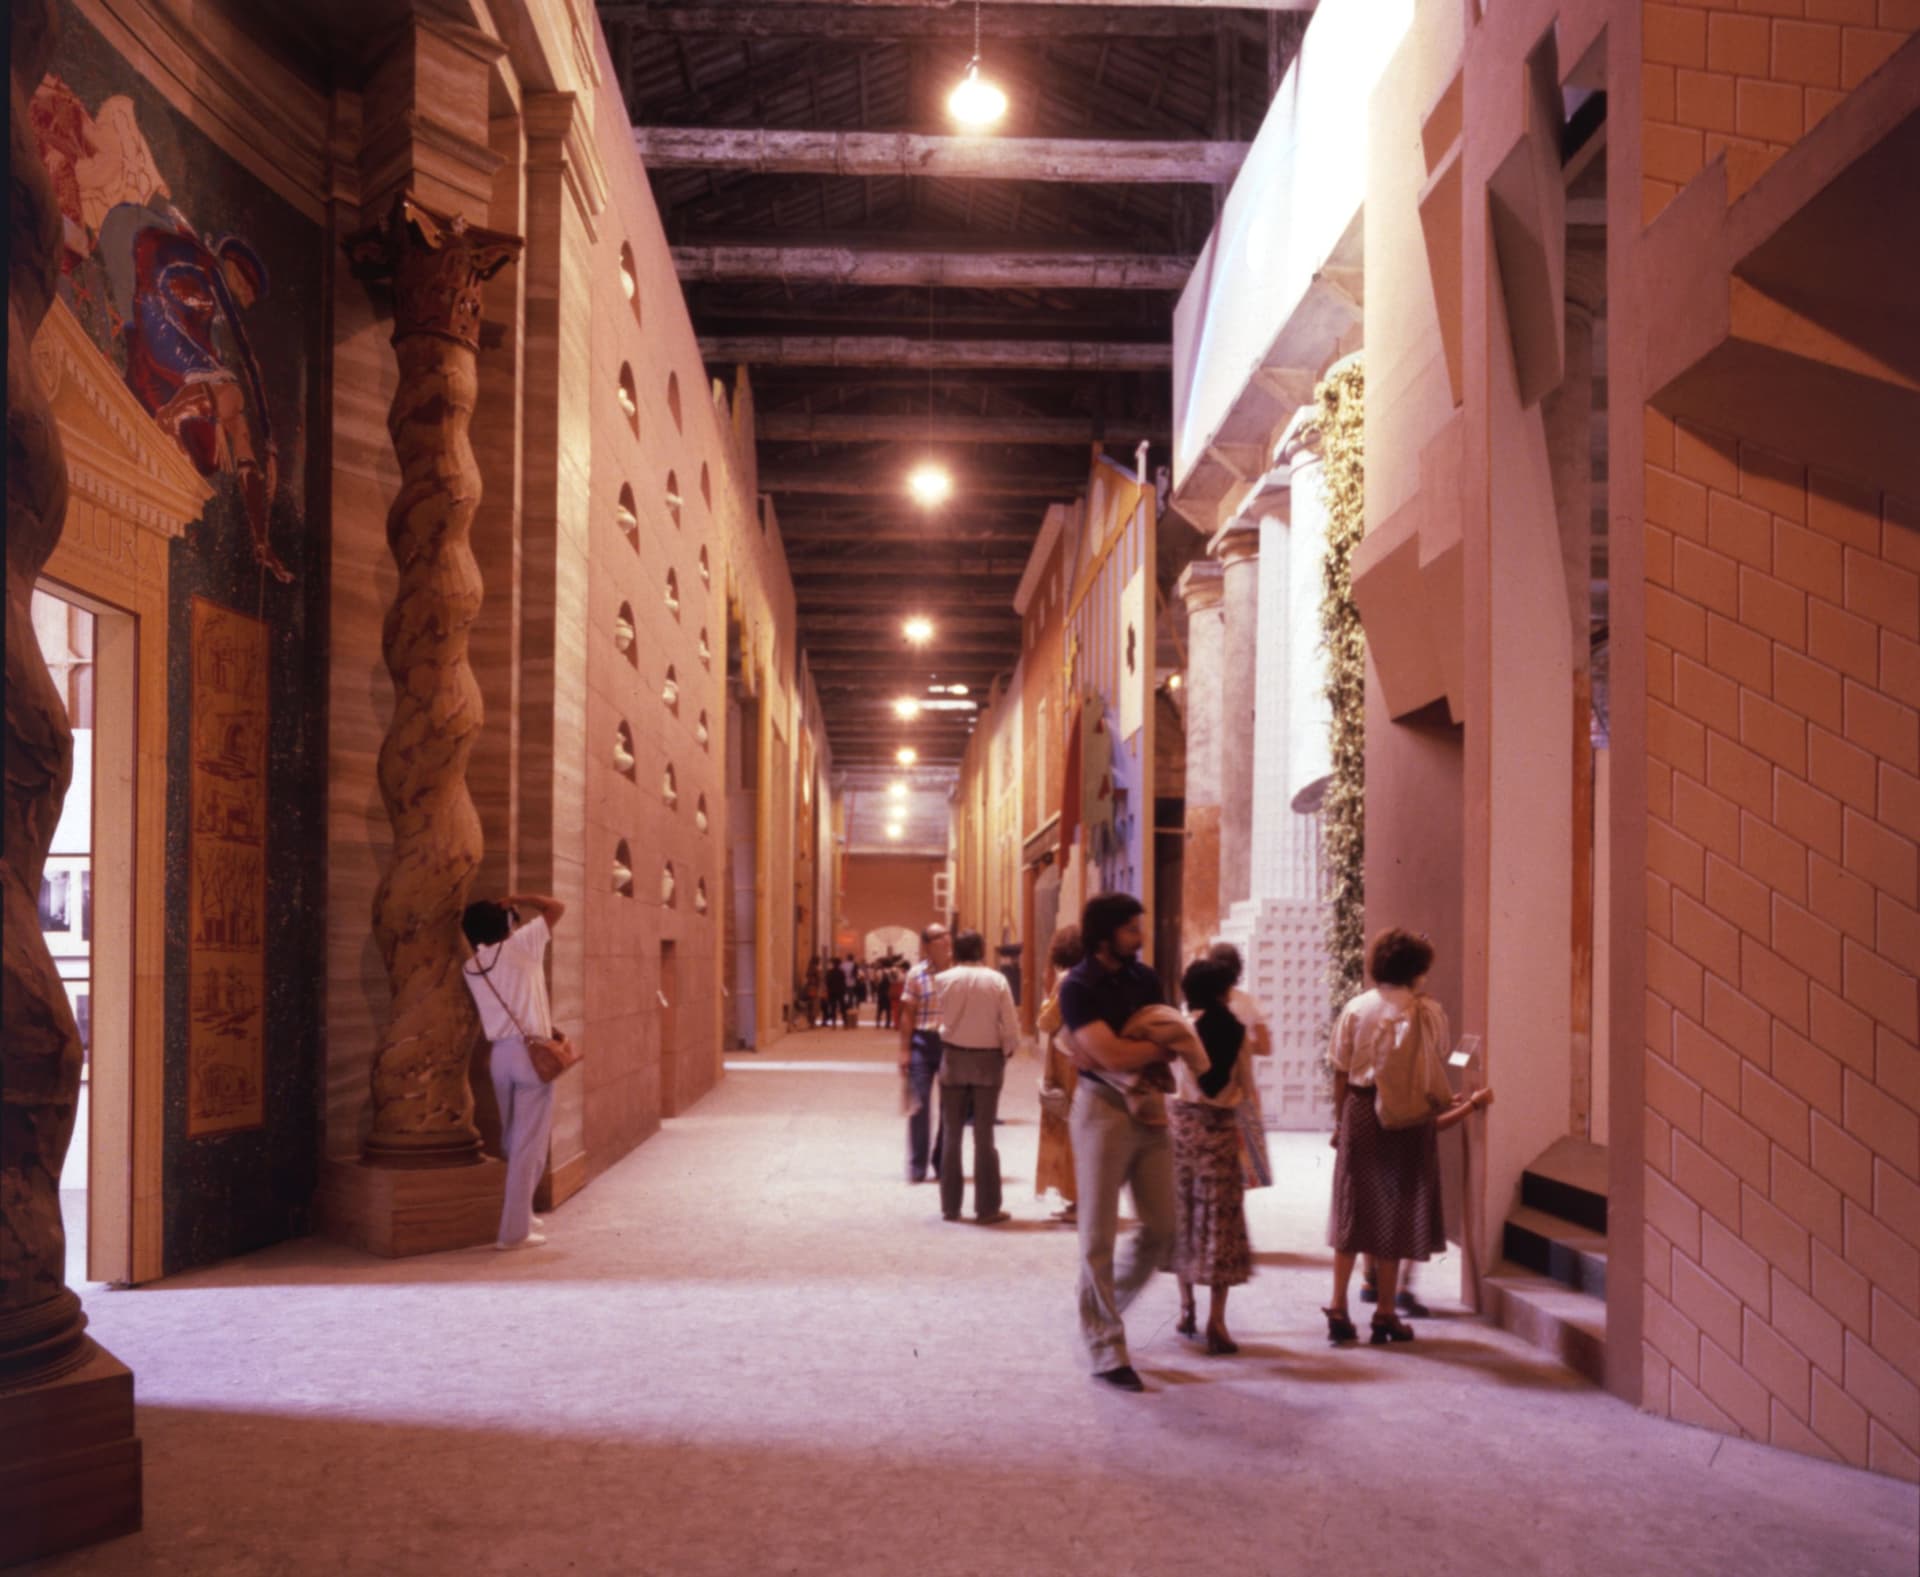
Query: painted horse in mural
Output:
(174,290)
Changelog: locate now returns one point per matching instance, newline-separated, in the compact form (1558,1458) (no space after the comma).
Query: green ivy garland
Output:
(1343,813)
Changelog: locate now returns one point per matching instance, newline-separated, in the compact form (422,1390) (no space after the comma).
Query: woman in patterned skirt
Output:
(1210,1221)
(1057,1080)
(1386,1181)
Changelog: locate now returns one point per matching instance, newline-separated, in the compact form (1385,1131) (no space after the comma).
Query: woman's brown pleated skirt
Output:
(1386,1186)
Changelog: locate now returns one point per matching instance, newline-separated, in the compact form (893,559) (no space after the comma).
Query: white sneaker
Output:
(538,1224)
(531,1240)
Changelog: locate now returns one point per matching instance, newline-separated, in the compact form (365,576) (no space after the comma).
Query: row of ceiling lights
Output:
(977,104)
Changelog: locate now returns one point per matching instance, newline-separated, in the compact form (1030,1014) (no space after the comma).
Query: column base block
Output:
(400,1211)
(69,1461)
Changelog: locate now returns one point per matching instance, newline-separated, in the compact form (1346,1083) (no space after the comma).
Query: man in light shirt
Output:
(918,1014)
(979,1031)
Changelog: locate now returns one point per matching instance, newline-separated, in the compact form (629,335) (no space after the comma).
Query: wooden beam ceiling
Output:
(882,263)
(897,350)
(837,428)
(869,482)
(1006,19)
(1106,161)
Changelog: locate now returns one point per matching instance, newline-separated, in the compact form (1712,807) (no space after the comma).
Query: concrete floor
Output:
(750,1348)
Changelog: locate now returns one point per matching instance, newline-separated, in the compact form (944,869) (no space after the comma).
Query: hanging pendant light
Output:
(976,102)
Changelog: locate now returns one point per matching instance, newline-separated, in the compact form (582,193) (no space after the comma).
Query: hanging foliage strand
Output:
(1343,812)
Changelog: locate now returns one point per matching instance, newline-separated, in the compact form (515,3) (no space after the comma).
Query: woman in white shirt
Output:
(508,982)
(1386,1181)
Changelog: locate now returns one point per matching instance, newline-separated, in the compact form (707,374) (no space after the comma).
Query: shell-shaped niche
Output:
(706,651)
(668,886)
(700,896)
(673,400)
(623,756)
(706,485)
(626,635)
(622,869)
(670,691)
(673,594)
(628,395)
(628,517)
(669,786)
(630,280)
(706,569)
(700,730)
(700,813)
(674,500)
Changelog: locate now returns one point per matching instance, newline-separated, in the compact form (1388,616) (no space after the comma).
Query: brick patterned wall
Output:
(1783,915)
(1748,78)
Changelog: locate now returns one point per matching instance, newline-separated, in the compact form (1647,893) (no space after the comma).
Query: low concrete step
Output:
(1568,1253)
(1569,1180)
(1570,1326)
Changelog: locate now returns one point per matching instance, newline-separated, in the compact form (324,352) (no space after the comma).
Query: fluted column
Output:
(1309,753)
(435,264)
(1237,548)
(42,1330)
(1200,588)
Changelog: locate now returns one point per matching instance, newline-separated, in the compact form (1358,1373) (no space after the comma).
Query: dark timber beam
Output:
(877,480)
(869,264)
(1106,161)
(897,350)
(1008,19)
(838,428)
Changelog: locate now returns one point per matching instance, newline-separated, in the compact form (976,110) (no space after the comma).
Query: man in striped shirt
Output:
(919,1019)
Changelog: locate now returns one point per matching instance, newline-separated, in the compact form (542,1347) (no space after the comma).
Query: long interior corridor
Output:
(751,1347)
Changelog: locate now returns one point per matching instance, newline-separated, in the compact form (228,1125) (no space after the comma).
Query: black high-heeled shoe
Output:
(1340,1329)
(1391,1329)
(1221,1346)
(1188,1326)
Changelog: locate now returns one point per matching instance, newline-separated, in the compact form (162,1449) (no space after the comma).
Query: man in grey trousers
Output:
(1110,1146)
(979,1031)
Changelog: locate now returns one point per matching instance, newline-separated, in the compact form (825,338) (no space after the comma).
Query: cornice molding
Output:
(117,455)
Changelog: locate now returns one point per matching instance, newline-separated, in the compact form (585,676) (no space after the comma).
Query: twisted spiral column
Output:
(42,1328)
(435,264)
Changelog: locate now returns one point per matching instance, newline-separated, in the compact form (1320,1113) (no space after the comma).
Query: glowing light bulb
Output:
(976,101)
(895,830)
(906,755)
(930,485)
(918,630)
(896,791)
(956,689)
(1174,682)
(906,708)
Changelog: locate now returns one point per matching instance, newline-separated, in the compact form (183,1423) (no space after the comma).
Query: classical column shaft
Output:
(42,1330)
(1236,546)
(1200,588)
(1272,696)
(422,1102)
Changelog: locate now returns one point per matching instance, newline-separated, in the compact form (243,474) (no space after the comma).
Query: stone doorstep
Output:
(1569,1180)
(1552,1246)
(1566,1325)
(70,1461)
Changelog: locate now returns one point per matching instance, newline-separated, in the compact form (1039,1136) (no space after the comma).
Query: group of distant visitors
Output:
(1136,1094)
(836,989)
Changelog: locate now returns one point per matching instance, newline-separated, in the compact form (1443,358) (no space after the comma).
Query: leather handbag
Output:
(551,1054)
